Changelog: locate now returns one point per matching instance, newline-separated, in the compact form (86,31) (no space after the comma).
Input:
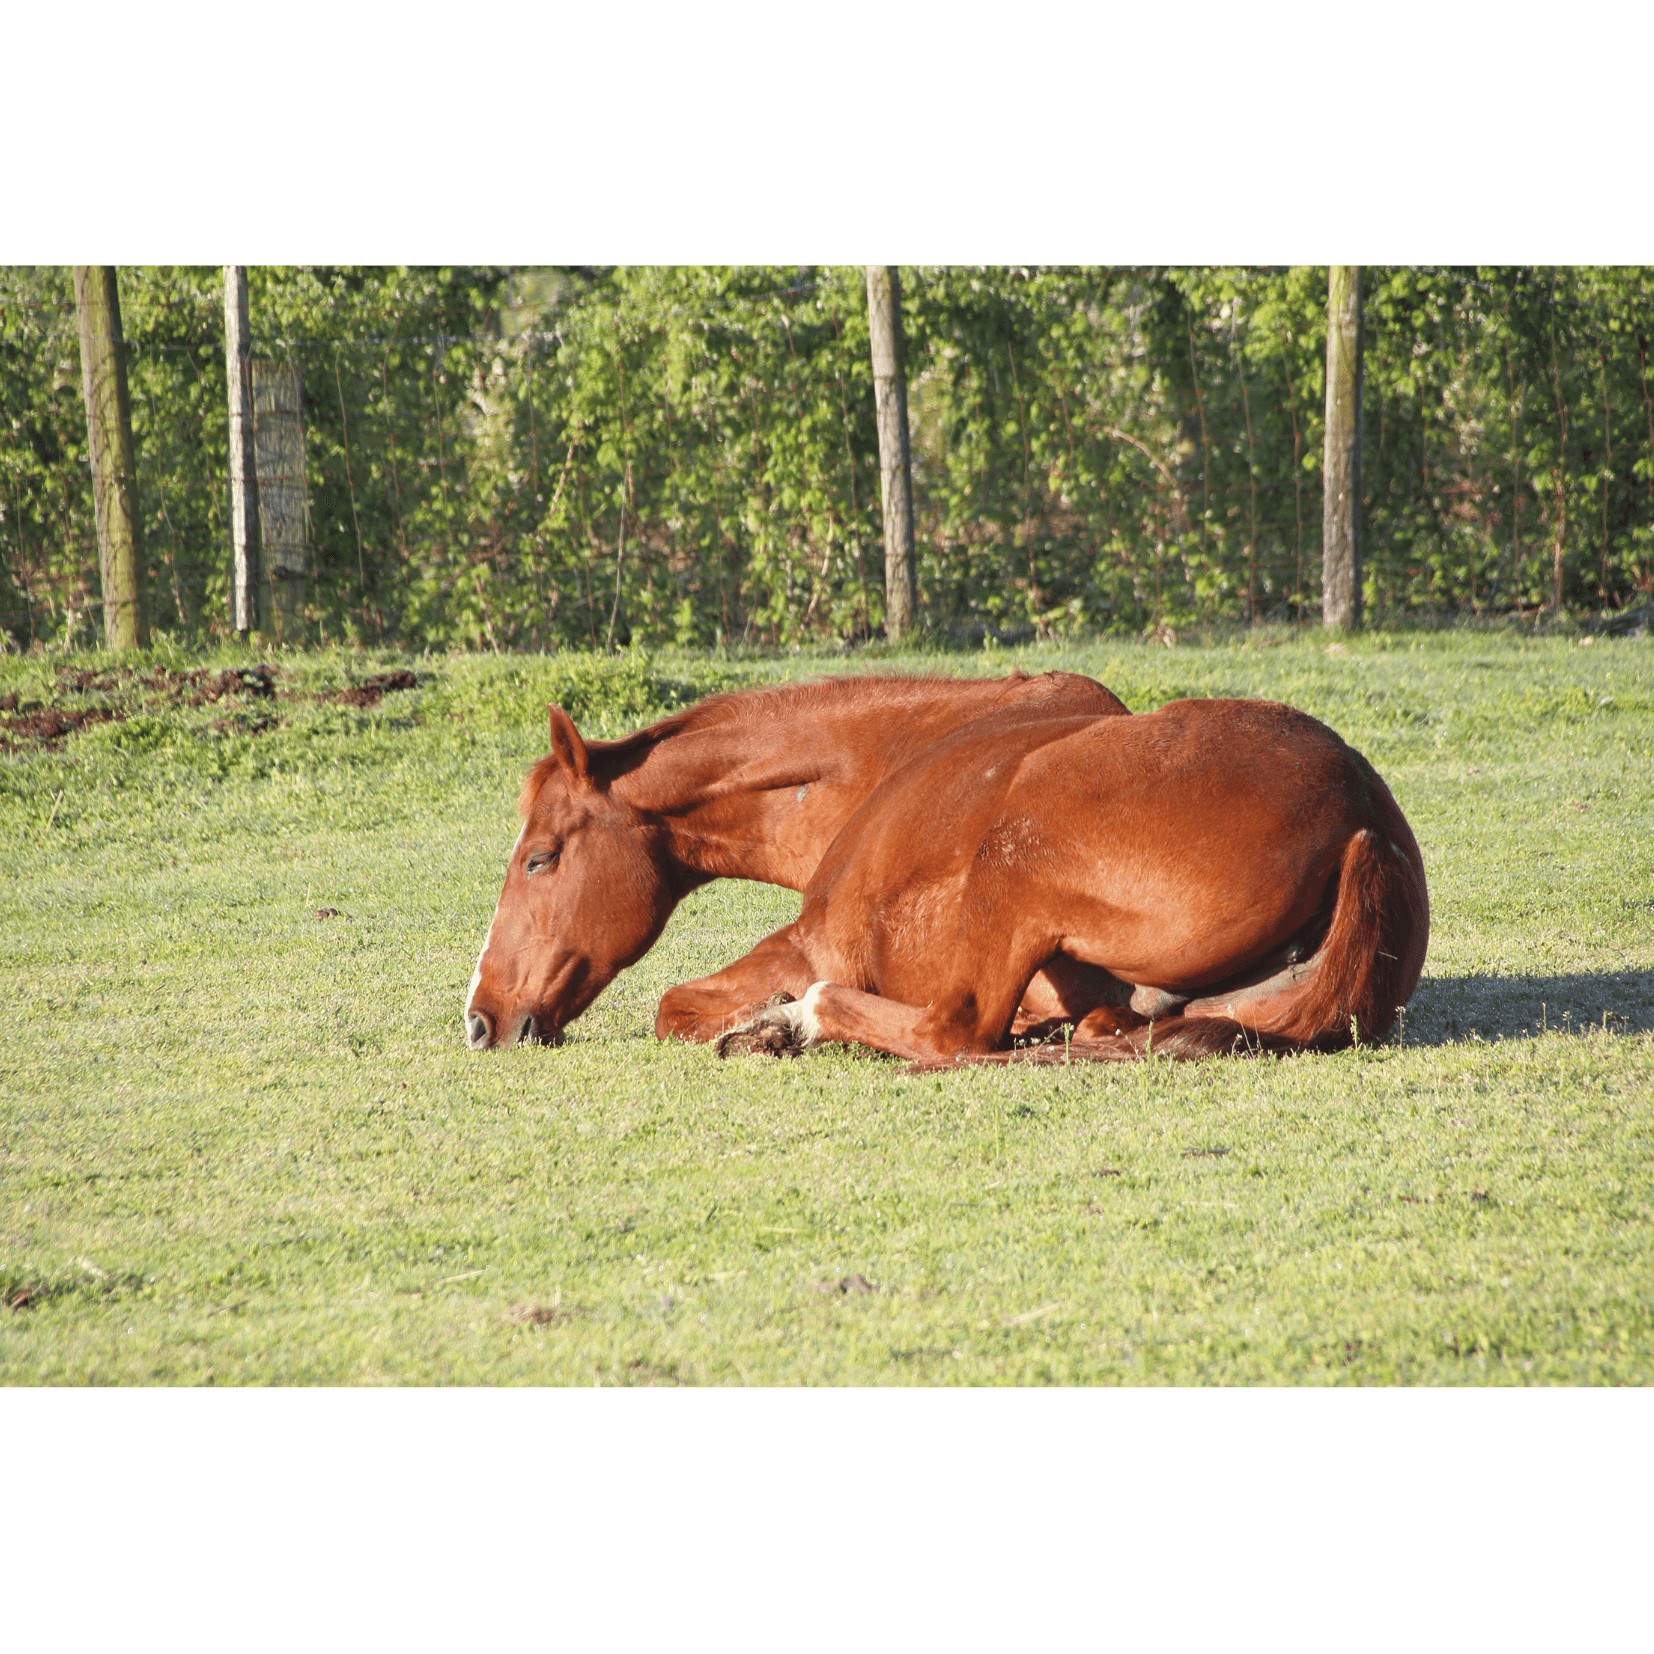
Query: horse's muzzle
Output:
(479,1031)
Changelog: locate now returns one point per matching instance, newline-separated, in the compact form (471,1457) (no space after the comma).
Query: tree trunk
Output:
(884,315)
(114,461)
(243,473)
(1341,469)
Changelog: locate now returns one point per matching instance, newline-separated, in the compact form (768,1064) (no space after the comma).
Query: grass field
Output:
(242,1141)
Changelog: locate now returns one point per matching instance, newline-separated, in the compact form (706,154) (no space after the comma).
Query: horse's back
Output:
(1193,755)
(1193,770)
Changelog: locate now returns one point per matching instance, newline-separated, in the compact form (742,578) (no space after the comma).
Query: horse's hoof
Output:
(771,1034)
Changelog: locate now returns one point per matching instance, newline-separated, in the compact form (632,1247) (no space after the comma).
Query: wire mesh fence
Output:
(527,459)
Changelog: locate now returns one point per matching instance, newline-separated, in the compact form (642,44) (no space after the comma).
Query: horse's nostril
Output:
(538,1030)
(478,1030)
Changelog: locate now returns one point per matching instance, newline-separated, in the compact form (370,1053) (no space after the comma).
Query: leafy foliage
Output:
(504,460)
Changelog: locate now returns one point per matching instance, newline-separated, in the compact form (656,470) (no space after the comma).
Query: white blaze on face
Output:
(476,975)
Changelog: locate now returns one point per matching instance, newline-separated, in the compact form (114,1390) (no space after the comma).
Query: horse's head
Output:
(585,896)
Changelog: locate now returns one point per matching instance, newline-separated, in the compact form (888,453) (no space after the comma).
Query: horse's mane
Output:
(744,706)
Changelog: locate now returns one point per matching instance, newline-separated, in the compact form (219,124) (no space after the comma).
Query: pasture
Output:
(242,1140)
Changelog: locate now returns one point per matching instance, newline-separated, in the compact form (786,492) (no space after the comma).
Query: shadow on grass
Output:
(1449,1008)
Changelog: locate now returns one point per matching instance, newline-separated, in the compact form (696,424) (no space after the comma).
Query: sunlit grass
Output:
(241,1143)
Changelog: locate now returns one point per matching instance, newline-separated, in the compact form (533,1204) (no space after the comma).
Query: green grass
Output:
(239,1143)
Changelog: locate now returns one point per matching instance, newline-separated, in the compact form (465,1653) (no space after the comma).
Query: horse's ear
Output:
(567,747)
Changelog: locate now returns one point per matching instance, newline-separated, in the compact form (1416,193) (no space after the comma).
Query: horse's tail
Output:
(1370,962)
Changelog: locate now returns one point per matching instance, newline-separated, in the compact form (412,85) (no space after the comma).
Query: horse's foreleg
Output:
(711,1005)
(832,1014)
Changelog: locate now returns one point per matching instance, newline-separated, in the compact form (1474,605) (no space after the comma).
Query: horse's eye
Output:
(541,860)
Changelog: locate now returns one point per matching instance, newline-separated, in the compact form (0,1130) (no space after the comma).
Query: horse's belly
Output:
(1188,942)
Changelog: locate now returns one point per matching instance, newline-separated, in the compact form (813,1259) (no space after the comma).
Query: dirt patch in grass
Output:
(196,686)
(541,1315)
(848,1285)
(27,724)
(31,724)
(48,726)
(374,690)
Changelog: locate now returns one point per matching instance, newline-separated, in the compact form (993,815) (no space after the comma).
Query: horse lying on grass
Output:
(983,865)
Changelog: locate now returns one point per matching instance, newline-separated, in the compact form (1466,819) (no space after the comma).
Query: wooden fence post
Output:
(283,494)
(884,315)
(238,373)
(114,460)
(1341,467)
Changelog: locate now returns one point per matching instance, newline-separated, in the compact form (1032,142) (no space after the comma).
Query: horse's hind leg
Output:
(1068,991)
(712,1005)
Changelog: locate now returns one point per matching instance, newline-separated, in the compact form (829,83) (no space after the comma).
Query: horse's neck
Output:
(763,798)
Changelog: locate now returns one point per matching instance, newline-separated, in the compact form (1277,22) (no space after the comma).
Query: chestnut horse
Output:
(980,863)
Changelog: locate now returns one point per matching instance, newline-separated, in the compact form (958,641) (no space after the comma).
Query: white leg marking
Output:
(476,975)
(809,1024)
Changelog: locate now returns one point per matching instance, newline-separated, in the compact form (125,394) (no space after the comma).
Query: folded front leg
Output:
(712,1005)
(832,1014)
